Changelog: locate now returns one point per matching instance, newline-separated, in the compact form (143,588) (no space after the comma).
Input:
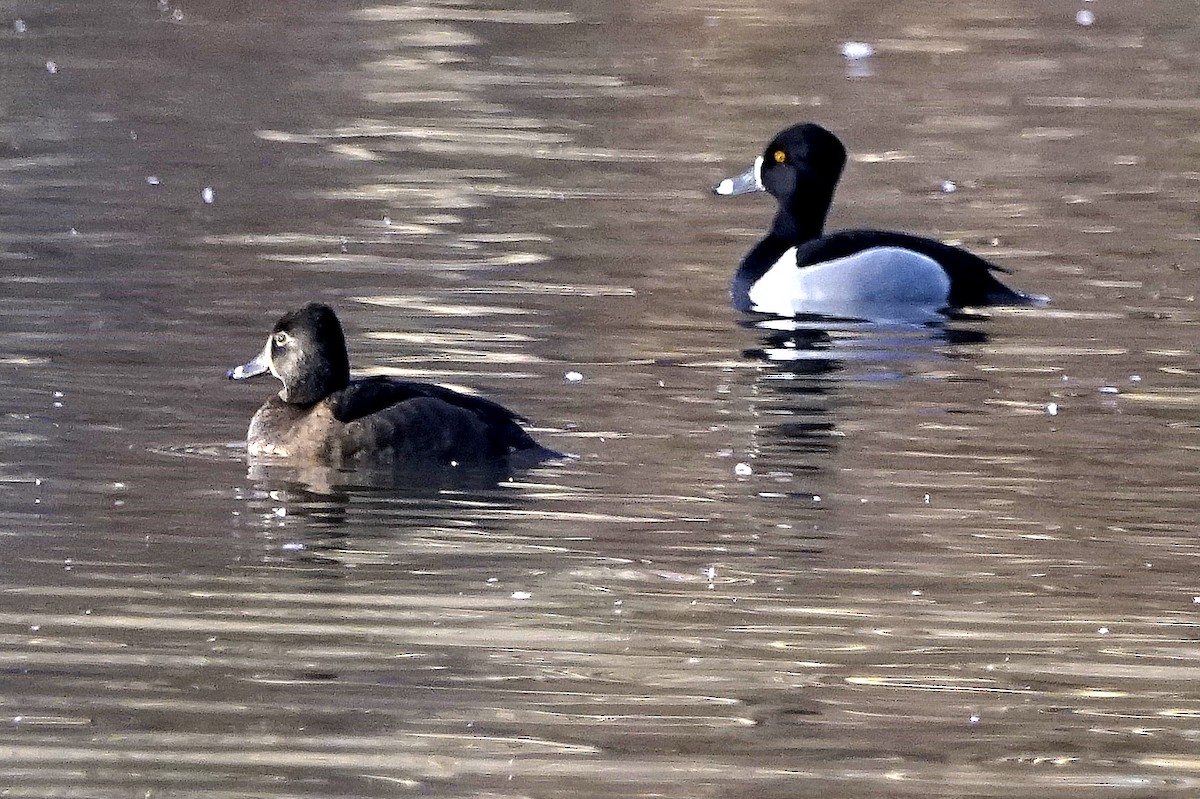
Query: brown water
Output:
(926,585)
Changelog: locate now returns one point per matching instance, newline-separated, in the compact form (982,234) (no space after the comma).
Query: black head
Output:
(800,168)
(800,160)
(307,352)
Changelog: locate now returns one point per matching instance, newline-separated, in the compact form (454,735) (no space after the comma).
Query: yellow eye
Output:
(282,338)
(780,156)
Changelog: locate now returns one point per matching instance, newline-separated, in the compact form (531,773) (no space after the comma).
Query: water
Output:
(846,560)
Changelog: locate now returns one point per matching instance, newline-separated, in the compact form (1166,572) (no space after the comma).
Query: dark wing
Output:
(971,278)
(367,395)
(429,418)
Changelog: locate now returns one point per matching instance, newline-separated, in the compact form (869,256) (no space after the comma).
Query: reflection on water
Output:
(812,557)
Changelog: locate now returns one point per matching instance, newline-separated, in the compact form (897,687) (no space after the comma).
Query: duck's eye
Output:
(780,156)
(282,339)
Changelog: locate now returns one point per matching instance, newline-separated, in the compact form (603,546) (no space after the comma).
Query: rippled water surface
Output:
(817,559)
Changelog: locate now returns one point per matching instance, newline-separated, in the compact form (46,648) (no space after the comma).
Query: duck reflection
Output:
(811,359)
(315,518)
(818,345)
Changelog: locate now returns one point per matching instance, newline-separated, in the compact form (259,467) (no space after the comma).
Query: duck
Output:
(798,269)
(323,416)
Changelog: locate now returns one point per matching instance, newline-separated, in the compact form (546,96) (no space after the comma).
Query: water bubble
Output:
(743,470)
(949,186)
(177,15)
(521,595)
(1085,18)
(152,180)
(856,51)
(51,67)
(1109,390)
(19,26)
(208,195)
(573,377)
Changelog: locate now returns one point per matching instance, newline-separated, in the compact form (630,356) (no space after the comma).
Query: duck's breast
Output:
(281,430)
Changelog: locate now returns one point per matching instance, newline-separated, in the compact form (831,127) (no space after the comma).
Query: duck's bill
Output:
(259,366)
(748,181)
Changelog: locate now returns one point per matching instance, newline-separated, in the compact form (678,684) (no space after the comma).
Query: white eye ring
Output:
(282,339)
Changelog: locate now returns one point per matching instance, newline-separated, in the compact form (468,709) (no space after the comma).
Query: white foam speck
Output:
(152,180)
(743,470)
(949,186)
(208,195)
(19,26)
(521,595)
(51,67)
(1052,409)
(856,51)
(1085,18)
(573,377)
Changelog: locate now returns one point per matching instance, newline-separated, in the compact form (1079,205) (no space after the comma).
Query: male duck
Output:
(324,416)
(855,273)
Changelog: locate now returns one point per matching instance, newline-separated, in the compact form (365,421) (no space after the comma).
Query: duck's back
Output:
(400,421)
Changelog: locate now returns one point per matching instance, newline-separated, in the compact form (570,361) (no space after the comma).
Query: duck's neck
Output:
(803,217)
(792,227)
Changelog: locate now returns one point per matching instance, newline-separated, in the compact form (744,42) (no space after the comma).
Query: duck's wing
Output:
(380,412)
(370,395)
(971,278)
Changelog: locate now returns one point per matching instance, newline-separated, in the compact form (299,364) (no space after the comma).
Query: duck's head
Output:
(799,168)
(307,352)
